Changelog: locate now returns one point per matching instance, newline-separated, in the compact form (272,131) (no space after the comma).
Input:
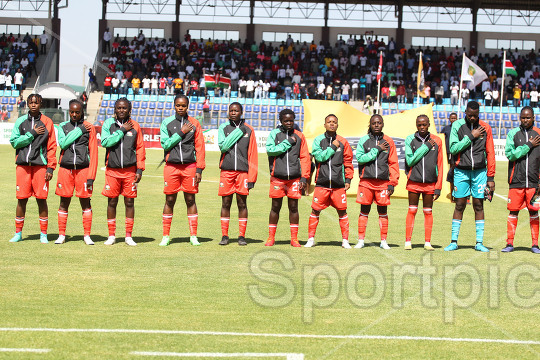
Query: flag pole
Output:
(379,108)
(501,98)
(417,88)
(460,85)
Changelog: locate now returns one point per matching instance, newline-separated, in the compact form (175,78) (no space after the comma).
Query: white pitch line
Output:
(288,356)
(500,196)
(24,350)
(302,336)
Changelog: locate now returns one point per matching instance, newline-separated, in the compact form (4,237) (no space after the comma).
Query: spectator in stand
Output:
(495,94)
(2,80)
(124,85)
(454,93)
(427,91)
(18,80)
(43,40)
(92,81)
(516,94)
(178,85)
(135,84)
(410,94)
(146,85)
(84,100)
(107,84)
(534,97)
(162,85)
(488,97)
(4,114)
(21,105)
(526,95)
(154,86)
(401,93)
(115,82)
(9,80)
(107,36)
(345,88)
(439,94)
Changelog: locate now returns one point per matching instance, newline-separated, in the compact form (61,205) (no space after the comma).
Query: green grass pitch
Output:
(325,290)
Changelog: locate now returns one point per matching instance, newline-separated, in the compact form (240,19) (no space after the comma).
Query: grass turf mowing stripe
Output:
(288,356)
(309,336)
(24,350)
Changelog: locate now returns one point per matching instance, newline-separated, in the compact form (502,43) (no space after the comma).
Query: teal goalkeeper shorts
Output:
(469,183)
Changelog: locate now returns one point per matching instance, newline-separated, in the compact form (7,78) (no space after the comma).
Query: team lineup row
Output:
(469,141)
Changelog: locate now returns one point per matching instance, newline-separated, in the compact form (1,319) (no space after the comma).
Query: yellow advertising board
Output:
(353,124)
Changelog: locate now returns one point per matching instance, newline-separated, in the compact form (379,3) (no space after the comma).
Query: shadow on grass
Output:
(418,246)
(180,240)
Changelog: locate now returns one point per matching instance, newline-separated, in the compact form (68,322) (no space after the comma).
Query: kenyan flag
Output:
(509,69)
(237,51)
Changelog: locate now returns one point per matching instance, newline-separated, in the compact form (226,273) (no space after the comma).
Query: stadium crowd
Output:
(345,71)
(18,58)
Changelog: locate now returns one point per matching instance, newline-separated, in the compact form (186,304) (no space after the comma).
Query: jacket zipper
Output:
(423,167)
(180,144)
(330,168)
(30,147)
(287,158)
(527,164)
(122,151)
(376,163)
(74,157)
(472,156)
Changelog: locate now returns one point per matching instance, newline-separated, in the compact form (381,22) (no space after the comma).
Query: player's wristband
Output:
(390,187)
(347,181)
(139,172)
(89,182)
(303,180)
(250,185)
(491,178)
(199,171)
(50,170)
(437,192)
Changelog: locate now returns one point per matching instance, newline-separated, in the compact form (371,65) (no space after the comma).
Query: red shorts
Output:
(30,181)
(120,182)
(421,188)
(180,177)
(69,180)
(365,196)
(324,197)
(231,182)
(520,199)
(280,188)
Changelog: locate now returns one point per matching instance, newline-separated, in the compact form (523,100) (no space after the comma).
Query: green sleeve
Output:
(168,142)
(512,152)
(64,140)
(319,154)
(411,157)
(108,139)
(456,145)
(275,150)
(17,140)
(227,142)
(361,156)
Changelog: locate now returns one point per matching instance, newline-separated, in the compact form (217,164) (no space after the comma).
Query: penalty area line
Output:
(301,336)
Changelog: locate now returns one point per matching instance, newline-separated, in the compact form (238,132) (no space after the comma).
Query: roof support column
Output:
(56,32)
(325,34)
(250,28)
(400,33)
(474,33)
(175,33)
(103,21)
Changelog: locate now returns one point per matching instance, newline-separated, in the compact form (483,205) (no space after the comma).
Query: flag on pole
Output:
(509,69)
(420,80)
(472,73)
(210,80)
(237,51)
(379,70)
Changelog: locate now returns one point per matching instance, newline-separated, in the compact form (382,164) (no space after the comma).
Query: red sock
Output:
(428,223)
(344,225)
(362,224)
(192,220)
(242,225)
(225,226)
(87,221)
(409,222)
(534,229)
(294,232)
(511,225)
(43,224)
(312,227)
(272,231)
(167,220)
(19,223)
(383,224)
(62,222)
(129,226)
(111,223)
